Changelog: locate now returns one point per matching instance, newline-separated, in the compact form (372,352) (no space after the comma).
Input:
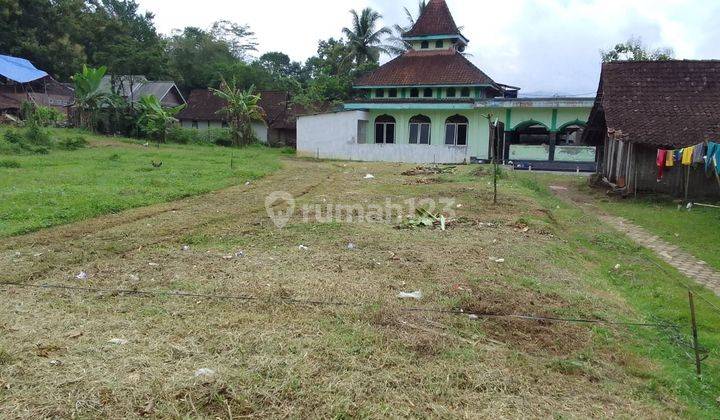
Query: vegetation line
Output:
(145,293)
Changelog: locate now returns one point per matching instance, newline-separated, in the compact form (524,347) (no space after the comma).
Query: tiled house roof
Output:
(203,105)
(436,19)
(442,67)
(664,103)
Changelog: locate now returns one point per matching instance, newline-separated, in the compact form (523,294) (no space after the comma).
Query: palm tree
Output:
(242,109)
(155,120)
(365,42)
(398,46)
(89,98)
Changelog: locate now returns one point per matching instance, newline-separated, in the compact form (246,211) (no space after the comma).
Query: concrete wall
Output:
(335,136)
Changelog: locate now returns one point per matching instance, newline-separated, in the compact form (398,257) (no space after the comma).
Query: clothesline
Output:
(707,153)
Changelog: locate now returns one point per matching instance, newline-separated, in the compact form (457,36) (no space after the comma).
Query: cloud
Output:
(544,46)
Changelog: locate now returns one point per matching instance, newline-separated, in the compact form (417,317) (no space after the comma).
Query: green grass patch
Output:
(696,231)
(115,174)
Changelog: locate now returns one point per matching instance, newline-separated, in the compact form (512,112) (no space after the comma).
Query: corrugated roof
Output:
(436,19)
(668,104)
(140,87)
(440,67)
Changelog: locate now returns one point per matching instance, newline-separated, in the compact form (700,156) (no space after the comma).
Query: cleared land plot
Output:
(279,358)
(39,191)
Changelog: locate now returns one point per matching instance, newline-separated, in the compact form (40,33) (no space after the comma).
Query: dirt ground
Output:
(320,331)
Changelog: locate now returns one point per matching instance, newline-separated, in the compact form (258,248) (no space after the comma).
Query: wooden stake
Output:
(687,183)
(696,345)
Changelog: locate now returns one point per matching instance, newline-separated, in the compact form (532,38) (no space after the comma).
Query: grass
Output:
(377,357)
(696,231)
(115,174)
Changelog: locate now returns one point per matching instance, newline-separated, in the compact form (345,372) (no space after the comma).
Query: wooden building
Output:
(643,107)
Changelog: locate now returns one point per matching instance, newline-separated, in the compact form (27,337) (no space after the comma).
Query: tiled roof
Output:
(443,67)
(203,105)
(664,103)
(436,19)
(141,86)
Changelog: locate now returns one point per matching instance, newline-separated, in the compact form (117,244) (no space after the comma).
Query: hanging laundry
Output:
(711,152)
(670,159)
(661,159)
(678,156)
(699,154)
(687,155)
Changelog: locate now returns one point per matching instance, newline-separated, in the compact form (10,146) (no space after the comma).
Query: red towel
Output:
(661,157)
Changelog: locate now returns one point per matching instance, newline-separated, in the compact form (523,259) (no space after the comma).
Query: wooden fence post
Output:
(696,345)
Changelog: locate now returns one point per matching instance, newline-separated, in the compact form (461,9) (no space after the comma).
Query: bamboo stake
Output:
(696,345)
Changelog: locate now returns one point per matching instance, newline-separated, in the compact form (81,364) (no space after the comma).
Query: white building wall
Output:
(259,128)
(339,136)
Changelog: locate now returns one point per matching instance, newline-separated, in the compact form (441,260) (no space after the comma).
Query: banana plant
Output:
(154,118)
(242,109)
(89,98)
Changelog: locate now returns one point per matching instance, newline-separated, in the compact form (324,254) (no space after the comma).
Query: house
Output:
(432,104)
(645,107)
(21,82)
(277,128)
(133,88)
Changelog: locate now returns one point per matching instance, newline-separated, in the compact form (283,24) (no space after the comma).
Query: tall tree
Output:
(397,44)
(365,40)
(634,50)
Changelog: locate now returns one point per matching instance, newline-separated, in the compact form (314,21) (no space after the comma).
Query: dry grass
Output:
(276,359)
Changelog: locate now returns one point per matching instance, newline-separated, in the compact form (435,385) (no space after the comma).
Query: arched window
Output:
(456,131)
(414,93)
(384,129)
(427,93)
(420,130)
(571,134)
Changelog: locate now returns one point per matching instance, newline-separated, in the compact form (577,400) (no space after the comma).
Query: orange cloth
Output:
(670,161)
(687,155)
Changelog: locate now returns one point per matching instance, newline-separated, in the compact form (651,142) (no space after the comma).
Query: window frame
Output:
(392,93)
(425,93)
(414,93)
(463,90)
(456,124)
(195,124)
(424,45)
(421,126)
(439,44)
(448,92)
(379,93)
(383,121)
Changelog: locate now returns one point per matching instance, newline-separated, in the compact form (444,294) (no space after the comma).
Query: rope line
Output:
(179,294)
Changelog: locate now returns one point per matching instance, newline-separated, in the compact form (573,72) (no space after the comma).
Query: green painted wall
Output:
(479,132)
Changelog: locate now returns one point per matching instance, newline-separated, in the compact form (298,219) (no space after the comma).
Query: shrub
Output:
(9,163)
(40,115)
(219,136)
(73,143)
(12,136)
(37,136)
(181,135)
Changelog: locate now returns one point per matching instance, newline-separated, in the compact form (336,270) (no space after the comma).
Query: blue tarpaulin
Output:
(19,69)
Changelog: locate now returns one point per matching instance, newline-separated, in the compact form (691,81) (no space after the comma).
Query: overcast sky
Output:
(543,46)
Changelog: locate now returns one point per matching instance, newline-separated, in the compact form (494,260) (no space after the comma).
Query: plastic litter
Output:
(412,295)
(185,248)
(82,276)
(118,341)
(239,254)
(351,246)
(134,278)
(204,372)
(303,248)
(369,176)
(473,317)
(497,260)
(55,362)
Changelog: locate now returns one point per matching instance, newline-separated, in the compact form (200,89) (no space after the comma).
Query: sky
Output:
(543,46)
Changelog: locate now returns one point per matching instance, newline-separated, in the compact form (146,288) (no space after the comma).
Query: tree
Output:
(155,119)
(239,38)
(279,65)
(398,45)
(89,99)
(241,110)
(365,41)
(634,50)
